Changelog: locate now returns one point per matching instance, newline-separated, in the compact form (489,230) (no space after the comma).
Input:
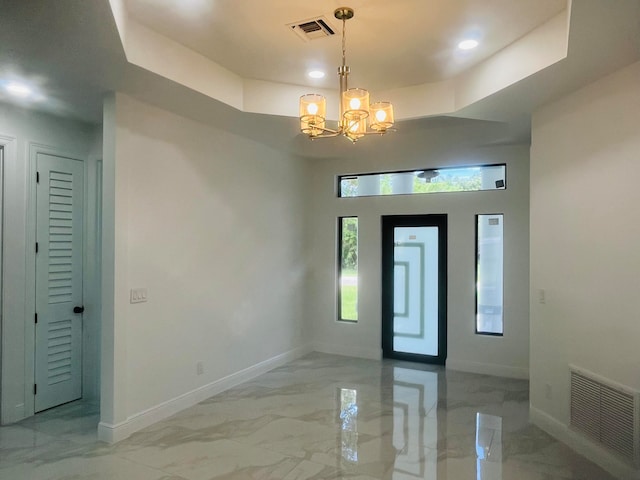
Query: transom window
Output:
(438,180)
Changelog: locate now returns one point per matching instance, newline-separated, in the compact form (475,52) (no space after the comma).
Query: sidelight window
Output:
(348,269)
(489,274)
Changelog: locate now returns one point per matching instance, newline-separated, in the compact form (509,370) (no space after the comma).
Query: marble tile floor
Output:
(319,417)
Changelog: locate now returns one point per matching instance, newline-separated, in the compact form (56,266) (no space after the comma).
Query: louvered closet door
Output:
(59,216)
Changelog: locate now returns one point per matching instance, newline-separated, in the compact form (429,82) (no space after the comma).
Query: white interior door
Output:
(59,217)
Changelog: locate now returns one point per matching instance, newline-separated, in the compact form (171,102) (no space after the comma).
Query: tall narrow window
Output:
(348,269)
(489,274)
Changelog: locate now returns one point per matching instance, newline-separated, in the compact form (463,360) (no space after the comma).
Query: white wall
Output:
(22,131)
(585,233)
(212,225)
(426,148)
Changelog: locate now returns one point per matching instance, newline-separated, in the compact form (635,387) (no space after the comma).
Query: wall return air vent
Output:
(312,29)
(606,413)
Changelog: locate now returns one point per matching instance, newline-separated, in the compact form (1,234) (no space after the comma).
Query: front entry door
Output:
(59,217)
(414,287)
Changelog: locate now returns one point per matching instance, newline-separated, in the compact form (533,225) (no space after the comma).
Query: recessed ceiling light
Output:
(316,74)
(468,44)
(18,90)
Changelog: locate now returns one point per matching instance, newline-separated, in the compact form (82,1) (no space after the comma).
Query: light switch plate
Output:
(138,295)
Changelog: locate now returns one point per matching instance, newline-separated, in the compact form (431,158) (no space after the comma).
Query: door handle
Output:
(78,309)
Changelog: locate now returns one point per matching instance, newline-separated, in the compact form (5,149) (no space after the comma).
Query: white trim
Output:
(115,433)
(488,369)
(8,413)
(92,293)
(1,248)
(348,351)
(582,445)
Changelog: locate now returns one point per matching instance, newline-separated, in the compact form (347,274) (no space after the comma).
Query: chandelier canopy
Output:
(356,113)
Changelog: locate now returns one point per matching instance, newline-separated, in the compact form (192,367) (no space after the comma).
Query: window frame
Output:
(339,317)
(477,271)
(339,179)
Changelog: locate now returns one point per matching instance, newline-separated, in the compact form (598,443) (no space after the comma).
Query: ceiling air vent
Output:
(312,29)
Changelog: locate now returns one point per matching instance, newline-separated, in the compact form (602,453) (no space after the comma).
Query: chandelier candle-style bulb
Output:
(313,112)
(355,102)
(381,116)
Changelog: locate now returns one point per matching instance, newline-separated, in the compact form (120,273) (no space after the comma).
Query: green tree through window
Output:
(439,180)
(348,270)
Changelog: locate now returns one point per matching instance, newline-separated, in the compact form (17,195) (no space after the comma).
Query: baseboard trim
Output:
(113,433)
(488,369)
(348,351)
(582,445)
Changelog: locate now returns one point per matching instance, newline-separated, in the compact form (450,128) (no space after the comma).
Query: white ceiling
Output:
(74,52)
(390,44)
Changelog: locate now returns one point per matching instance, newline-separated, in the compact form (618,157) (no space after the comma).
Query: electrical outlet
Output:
(138,295)
(199,368)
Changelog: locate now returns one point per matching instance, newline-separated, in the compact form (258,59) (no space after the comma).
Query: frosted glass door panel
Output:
(415,290)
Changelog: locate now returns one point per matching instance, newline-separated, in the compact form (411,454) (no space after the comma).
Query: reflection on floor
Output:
(320,417)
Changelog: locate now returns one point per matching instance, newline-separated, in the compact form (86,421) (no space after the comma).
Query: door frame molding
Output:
(387,223)
(2,149)
(30,262)
(9,145)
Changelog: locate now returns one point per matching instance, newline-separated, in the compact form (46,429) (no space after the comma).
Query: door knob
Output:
(78,309)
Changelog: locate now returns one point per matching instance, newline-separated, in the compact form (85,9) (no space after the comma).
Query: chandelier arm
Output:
(328,134)
(329,130)
(381,132)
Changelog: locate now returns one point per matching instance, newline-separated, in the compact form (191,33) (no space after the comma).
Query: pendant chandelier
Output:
(355,110)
